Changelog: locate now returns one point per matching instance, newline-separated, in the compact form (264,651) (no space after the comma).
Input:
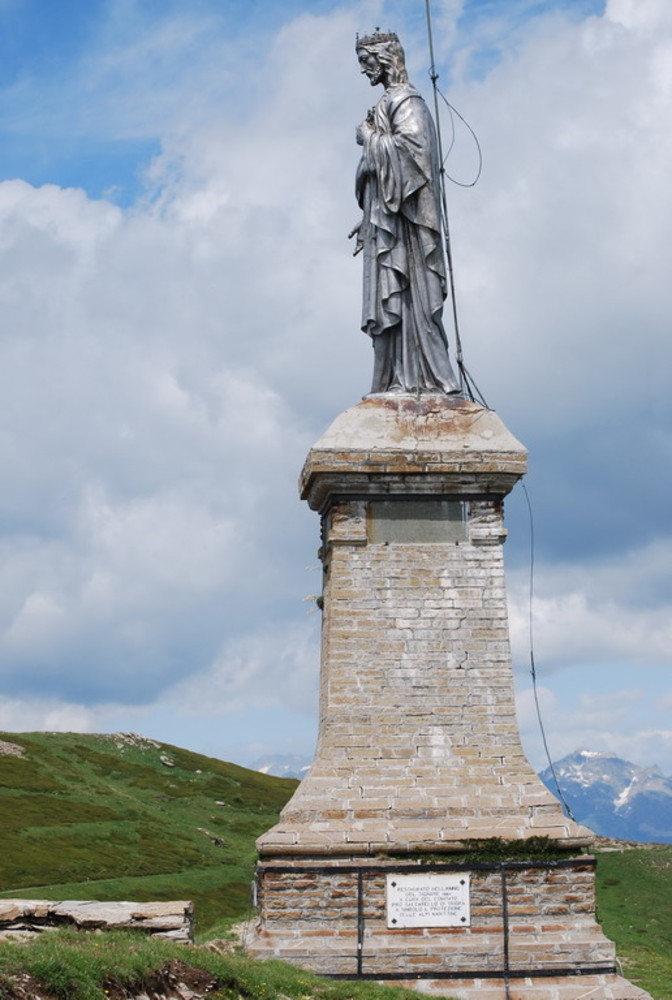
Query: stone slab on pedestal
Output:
(394,444)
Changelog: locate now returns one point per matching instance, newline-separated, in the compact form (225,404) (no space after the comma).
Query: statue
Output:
(397,188)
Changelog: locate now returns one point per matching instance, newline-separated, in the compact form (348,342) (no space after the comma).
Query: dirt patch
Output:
(23,986)
(175,981)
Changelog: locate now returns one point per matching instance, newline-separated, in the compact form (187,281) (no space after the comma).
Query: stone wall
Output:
(524,916)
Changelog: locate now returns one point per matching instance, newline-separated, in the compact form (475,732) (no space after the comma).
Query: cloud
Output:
(143,461)
(621,721)
(44,715)
(574,151)
(275,667)
(615,610)
(118,80)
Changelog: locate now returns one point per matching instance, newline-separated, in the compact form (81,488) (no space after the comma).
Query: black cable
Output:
(453,110)
(470,386)
(533,670)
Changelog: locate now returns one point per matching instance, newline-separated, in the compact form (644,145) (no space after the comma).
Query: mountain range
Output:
(614,797)
(611,796)
(283,765)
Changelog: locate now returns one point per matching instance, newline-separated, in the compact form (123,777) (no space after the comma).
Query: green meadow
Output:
(102,817)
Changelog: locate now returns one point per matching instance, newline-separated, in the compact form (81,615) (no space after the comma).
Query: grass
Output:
(76,966)
(634,907)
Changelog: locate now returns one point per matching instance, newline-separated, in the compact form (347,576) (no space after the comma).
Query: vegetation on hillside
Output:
(634,907)
(121,817)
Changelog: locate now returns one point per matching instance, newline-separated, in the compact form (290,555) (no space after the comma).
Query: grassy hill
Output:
(122,817)
(634,907)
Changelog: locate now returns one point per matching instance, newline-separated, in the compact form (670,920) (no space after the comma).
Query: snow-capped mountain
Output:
(283,765)
(614,797)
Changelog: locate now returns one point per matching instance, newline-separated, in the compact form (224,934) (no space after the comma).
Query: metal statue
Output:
(397,188)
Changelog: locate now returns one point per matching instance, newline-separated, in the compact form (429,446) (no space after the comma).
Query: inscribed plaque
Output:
(428,900)
(417,521)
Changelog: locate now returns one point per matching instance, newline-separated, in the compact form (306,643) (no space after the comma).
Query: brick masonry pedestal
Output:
(419,753)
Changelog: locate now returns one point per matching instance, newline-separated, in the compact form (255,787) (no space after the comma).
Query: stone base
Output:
(532,922)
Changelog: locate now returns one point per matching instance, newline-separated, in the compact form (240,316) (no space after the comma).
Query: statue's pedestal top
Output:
(433,443)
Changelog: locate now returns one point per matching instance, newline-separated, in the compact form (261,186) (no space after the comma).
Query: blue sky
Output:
(175,193)
(61,64)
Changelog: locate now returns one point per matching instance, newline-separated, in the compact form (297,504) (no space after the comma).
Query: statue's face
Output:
(371,66)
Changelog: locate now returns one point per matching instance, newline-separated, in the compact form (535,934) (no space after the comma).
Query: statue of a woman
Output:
(400,233)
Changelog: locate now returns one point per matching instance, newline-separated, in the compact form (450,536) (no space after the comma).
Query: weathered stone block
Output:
(172,919)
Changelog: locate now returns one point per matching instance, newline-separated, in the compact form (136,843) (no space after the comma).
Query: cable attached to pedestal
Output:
(533,669)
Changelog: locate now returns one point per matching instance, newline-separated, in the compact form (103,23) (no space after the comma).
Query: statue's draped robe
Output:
(404,270)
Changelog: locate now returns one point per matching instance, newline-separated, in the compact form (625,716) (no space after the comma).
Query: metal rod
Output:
(360,921)
(505,933)
(561,972)
(444,204)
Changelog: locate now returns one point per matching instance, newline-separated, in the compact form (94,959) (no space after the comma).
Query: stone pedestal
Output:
(419,757)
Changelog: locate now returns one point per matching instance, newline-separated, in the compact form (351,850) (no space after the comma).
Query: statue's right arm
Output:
(359,242)
(361,180)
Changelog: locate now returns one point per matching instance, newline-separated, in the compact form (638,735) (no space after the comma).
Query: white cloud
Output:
(272,668)
(600,722)
(616,610)
(559,248)
(42,715)
(648,18)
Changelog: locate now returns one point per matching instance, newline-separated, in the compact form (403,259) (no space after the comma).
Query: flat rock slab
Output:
(173,919)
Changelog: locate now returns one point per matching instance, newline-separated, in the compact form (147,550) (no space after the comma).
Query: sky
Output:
(179,322)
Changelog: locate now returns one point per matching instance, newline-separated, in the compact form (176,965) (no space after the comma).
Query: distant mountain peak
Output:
(615,797)
(283,765)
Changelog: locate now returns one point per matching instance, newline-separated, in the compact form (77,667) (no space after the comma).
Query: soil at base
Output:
(174,981)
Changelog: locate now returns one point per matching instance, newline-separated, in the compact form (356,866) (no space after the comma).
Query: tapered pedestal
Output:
(419,756)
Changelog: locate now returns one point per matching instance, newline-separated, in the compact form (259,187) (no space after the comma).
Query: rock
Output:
(10,909)
(172,919)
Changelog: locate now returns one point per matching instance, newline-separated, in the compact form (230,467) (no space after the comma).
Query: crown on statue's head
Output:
(377,38)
